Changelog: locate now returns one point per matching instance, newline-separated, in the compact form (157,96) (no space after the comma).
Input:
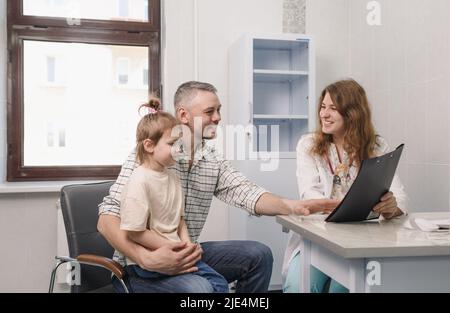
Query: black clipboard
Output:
(373,181)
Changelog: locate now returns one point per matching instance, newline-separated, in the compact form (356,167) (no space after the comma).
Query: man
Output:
(203,175)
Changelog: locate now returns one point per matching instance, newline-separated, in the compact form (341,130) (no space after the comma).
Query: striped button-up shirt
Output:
(210,175)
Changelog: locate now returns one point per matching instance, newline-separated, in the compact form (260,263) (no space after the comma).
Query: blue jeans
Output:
(247,262)
(217,281)
(319,282)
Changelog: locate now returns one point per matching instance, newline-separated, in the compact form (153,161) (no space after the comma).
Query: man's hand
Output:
(171,259)
(306,207)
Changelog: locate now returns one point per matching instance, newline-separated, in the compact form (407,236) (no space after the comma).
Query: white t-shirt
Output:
(152,200)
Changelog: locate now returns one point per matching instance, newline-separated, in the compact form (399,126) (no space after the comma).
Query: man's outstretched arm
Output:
(235,189)
(270,204)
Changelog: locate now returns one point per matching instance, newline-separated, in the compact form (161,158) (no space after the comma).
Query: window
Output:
(123,8)
(51,69)
(143,72)
(55,69)
(123,68)
(78,72)
(145,10)
(52,133)
(145,76)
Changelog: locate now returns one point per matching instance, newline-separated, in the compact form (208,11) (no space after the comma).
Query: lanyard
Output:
(340,161)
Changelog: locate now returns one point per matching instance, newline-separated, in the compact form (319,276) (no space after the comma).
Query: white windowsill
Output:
(38,187)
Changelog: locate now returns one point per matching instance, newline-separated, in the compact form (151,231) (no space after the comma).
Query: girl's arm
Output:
(148,238)
(183,231)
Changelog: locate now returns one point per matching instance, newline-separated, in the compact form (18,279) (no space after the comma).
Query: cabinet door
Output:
(240,82)
(281,93)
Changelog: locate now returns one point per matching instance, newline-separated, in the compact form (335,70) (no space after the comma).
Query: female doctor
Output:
(327,164)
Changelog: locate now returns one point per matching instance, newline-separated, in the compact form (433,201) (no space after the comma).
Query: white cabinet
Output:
(271,83)
(271,86)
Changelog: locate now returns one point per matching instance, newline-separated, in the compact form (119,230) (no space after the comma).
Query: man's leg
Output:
(217,281)
(248,262)
(186,283)
(144,273)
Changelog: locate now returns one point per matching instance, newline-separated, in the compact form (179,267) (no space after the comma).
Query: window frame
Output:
(22,28)
(16,17)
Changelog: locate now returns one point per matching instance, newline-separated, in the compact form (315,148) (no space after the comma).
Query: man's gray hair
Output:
(187,91)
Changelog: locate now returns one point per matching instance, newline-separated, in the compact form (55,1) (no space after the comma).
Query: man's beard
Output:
(210,132)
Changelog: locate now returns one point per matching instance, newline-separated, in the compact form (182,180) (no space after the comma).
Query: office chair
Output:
(79,205)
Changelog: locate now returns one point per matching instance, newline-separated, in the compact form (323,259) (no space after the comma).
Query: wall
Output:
(404,66)
(294,16)
(197,35)
(408,81)
(327,23)
(28,241)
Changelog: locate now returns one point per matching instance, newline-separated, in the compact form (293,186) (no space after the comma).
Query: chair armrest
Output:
(109,264)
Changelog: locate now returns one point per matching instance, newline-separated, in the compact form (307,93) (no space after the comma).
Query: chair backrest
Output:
(79,205)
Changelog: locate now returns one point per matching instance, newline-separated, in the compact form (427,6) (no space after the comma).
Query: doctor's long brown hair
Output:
(351,102)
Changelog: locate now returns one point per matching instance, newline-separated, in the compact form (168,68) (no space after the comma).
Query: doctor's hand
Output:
(306,207)
(387,206)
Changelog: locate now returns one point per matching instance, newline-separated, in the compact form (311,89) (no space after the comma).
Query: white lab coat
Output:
(315,181)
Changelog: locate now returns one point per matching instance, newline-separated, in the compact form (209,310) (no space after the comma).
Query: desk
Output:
(373,256)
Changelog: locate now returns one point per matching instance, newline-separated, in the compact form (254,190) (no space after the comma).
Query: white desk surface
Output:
(372,238)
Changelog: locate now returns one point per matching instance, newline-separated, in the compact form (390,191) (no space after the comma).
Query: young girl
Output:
(328,163)
(152,206)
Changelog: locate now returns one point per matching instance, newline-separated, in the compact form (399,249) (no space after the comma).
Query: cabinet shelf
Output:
(279,117)
(280,44)
(277,76)
(272,87)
